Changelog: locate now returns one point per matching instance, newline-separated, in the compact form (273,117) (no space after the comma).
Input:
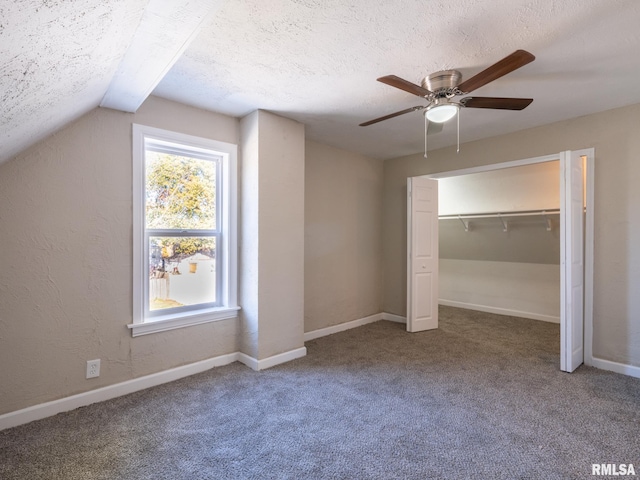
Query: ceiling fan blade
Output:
(405,85)
(517,59)
(496,102)
(391,115)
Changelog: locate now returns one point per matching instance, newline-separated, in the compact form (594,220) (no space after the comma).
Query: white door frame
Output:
(589,153)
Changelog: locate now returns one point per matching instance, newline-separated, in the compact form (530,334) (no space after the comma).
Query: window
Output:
(184,248)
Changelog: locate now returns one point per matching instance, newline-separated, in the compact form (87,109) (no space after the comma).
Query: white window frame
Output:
(228,308)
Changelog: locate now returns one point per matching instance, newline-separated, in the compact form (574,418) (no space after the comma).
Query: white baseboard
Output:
(341,327)
(622,368)
(272,361)
(323,332)
(48,409)
(500,311)
(392,317)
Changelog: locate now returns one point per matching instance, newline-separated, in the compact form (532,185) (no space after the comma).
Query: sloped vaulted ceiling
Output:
(57,59)
(315,61)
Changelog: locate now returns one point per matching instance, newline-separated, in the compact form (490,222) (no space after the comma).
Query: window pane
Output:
(180,192)
(182,271)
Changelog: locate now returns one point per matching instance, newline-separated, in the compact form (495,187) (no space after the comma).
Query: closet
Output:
(499,241)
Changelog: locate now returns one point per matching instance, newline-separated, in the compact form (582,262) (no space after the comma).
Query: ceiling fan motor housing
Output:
(442,83)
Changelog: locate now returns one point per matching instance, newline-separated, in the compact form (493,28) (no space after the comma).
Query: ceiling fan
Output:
(440,88)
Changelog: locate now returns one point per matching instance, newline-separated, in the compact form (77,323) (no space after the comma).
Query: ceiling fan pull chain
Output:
(426,125)
(458,150)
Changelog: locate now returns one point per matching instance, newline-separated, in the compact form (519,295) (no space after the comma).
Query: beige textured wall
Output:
(528,290)
(343,236)
(272,229)
(249,223)
(526,241)
(614,134)
(527,187)
(66,254)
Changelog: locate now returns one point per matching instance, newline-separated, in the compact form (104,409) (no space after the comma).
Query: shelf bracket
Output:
(505,223)
(466,224)
(548,221)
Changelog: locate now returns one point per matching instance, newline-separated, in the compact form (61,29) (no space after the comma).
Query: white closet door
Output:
(422,254)
(572,268)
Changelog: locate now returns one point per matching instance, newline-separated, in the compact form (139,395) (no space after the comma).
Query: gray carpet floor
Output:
(482,397)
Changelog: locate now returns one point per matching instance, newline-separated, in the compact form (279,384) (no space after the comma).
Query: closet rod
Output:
(527,213)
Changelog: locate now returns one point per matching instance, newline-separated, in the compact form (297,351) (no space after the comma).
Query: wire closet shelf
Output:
(464,218)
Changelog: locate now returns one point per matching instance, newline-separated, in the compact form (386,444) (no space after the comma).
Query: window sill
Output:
(171,322)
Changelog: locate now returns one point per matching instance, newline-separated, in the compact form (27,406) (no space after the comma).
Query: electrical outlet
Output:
(93,368)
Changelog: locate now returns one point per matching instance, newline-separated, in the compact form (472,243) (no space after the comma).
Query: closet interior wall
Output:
(500,241)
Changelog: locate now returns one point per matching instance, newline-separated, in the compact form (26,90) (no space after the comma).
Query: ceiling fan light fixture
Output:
(442,113)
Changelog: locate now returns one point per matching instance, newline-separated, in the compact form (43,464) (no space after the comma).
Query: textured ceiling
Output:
(316,61)
(57,59)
